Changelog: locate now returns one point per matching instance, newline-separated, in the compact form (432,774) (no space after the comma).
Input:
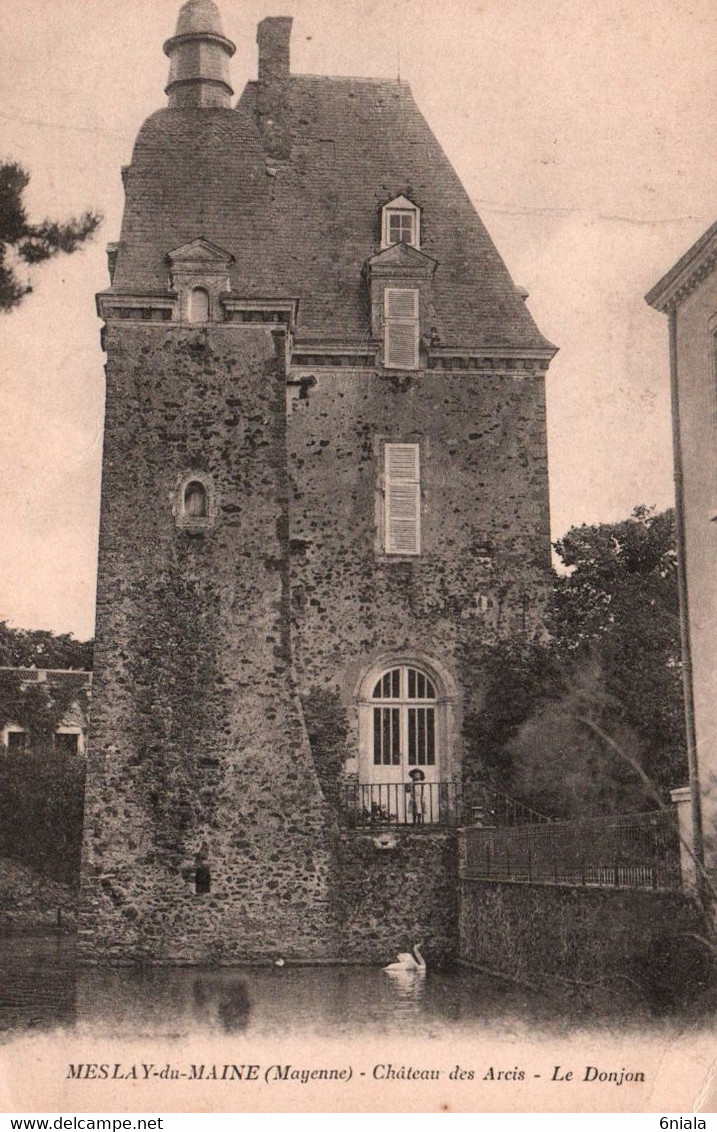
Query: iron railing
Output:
(632,850)
(365,805)
(488,807)
(391,804)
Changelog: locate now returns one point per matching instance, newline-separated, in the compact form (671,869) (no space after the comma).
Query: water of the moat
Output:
(42,988)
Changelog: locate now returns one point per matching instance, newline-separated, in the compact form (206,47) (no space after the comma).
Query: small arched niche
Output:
(194,502)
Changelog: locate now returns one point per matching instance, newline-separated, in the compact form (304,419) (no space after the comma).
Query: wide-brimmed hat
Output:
(416,773)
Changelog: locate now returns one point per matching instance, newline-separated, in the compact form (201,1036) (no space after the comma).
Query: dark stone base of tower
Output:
(324,480)
(200,771)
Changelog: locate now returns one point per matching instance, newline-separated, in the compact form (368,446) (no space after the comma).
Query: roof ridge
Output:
(373,79)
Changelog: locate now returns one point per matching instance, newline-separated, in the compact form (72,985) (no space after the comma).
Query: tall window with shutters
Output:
(401,328)
(402,499)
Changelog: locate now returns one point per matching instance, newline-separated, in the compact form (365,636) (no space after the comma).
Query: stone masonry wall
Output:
(485,521)
(390,898)
(198,749)
(531,931)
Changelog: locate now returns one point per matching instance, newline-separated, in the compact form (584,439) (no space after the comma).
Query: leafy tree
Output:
(560,765)
(41,808)
(21,241)
(510,679)
(612,666)
(41,648)
(619,604)
(42,787)
(615,572)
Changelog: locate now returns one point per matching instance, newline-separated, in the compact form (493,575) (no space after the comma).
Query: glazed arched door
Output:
(403,752)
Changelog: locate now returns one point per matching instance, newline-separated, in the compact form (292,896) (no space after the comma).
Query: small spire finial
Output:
(199,56)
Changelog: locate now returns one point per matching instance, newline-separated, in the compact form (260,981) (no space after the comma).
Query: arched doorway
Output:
(403,746)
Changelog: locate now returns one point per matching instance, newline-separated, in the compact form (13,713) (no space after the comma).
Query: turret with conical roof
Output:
(199,53)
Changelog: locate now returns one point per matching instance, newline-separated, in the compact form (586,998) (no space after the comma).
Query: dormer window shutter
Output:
(402,481)
(401,328)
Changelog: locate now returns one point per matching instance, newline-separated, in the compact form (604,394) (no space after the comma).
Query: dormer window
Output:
(400,287)
(401,227)
(401,223)
(200,273)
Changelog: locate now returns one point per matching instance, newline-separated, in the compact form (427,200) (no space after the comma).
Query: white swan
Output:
(405,961)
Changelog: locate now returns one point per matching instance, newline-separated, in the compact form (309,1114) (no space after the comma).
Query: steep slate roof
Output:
(305,227)
(197,174)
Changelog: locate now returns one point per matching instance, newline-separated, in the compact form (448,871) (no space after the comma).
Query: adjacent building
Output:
(38,699)
(688,295)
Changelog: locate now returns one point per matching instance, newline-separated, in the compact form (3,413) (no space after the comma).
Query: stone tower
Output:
(206,827)
(325,473)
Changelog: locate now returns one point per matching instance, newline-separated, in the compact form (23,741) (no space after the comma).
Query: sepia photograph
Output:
(358,591)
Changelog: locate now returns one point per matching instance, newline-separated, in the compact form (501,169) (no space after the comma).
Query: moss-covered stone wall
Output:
(395,890)
(484,564)
(589,935)
(200,774)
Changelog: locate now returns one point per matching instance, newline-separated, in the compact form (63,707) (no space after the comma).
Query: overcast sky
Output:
(583,130)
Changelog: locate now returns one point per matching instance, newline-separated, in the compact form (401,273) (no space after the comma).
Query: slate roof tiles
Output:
(306,226)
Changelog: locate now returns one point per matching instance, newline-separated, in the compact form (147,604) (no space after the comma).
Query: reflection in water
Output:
(408,961)
(215,1005)
(408,986)
(37,983)
(40,987)
(233,1006)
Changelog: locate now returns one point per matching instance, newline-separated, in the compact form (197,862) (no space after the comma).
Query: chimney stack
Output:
(273,35)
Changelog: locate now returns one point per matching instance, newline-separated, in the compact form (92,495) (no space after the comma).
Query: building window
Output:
(67,743)
(196,505)
(202,880)
(401,324)
(400,223)
(404,758)
(401,227)
(404,721)
(198,305)
(16,741)
(402,499)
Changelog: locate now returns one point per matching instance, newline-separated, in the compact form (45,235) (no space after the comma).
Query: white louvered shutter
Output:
(403,499)
(401,321)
